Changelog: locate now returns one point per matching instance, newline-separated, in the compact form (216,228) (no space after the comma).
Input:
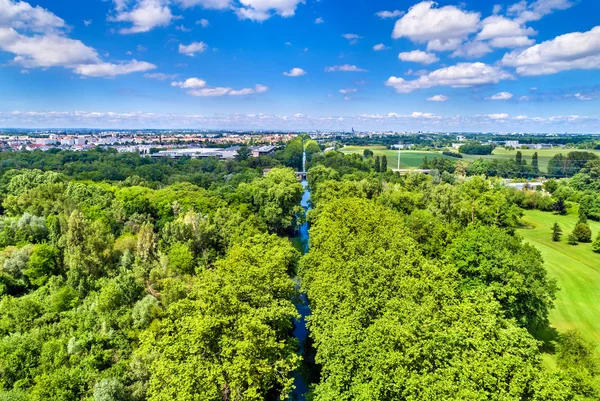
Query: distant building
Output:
(263,151)
(514,144)
(457,145)
(402,146)
(460,138)
(195,153)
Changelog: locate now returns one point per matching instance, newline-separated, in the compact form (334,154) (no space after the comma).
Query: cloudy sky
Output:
(473,65)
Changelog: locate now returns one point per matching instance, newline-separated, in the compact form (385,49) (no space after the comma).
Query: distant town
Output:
(224,145)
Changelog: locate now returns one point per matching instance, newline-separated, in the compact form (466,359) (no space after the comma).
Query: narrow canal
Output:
(300,330)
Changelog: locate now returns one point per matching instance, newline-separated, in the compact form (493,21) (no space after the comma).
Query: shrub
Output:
(582,233)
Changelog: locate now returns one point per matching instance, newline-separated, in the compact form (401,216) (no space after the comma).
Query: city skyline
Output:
(293,65)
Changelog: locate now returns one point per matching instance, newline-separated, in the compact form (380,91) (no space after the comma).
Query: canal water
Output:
(300,330)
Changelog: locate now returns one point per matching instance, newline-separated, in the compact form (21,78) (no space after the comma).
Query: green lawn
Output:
(409,159)
(544,155)
(413,159)
(576,268)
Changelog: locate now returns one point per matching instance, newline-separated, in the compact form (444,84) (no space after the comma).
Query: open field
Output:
(576,268)
(413,159)
(408,158)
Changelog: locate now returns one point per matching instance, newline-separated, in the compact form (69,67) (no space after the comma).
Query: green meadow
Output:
(413,159)
(576,269)
(409,159)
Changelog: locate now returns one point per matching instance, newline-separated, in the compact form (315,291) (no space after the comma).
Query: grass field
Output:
(409,159)
(413,159)
(576,268)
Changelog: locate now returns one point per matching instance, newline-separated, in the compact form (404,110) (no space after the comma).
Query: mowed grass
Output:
(414,159)
(576,269)
(544,155)
(409,159)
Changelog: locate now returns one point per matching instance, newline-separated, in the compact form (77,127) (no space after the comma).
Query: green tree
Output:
(519,159)
(276,198)
(367,153)
(513,271)
(556,232)
(377,164)
(596,244)
(230,339)
(535,164)
(243,153)
(384,165)
(582,232)
(560,207)
(388,324)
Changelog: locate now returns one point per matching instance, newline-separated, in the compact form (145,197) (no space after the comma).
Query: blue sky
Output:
(290,64)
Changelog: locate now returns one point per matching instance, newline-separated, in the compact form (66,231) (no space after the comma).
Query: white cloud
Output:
(87,22)
(461,75)
(418,56)
(198,87)
(501,96)
(261,88)
(501,27)
(145,16)
(536,10)
(111,70)
(192,48)
(443,28)
(344,68)
(203,23)
(444,45)
(418,114)
(499,116)
(209,92)
(182,28)
(21,15)
(261,10)
(352,38)
(505,33)
(577,50)
(210,4)
(48,46)
(295,72)
(497,8)
(438,98)
(472,50)
(389,14)
(379,47)
(160,76)
(347,91)
(190,83)
(583,96)
(319,21)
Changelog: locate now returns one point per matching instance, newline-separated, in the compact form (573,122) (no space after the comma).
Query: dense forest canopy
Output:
(124,278)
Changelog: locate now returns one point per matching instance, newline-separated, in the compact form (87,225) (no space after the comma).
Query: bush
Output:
(572,240)
(596,244)
(582,233)
(475,149)
(452,154)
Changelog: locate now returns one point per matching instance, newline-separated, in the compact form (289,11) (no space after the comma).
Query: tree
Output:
(519,159)
(582,232)
(229,340)
(390,325)
(535,164)
(377,164)
(276,198)
(560,207)
(488,257)
(243,153)
(596,244)
(572,239)
(367,153)
(556,232)
(384,164)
